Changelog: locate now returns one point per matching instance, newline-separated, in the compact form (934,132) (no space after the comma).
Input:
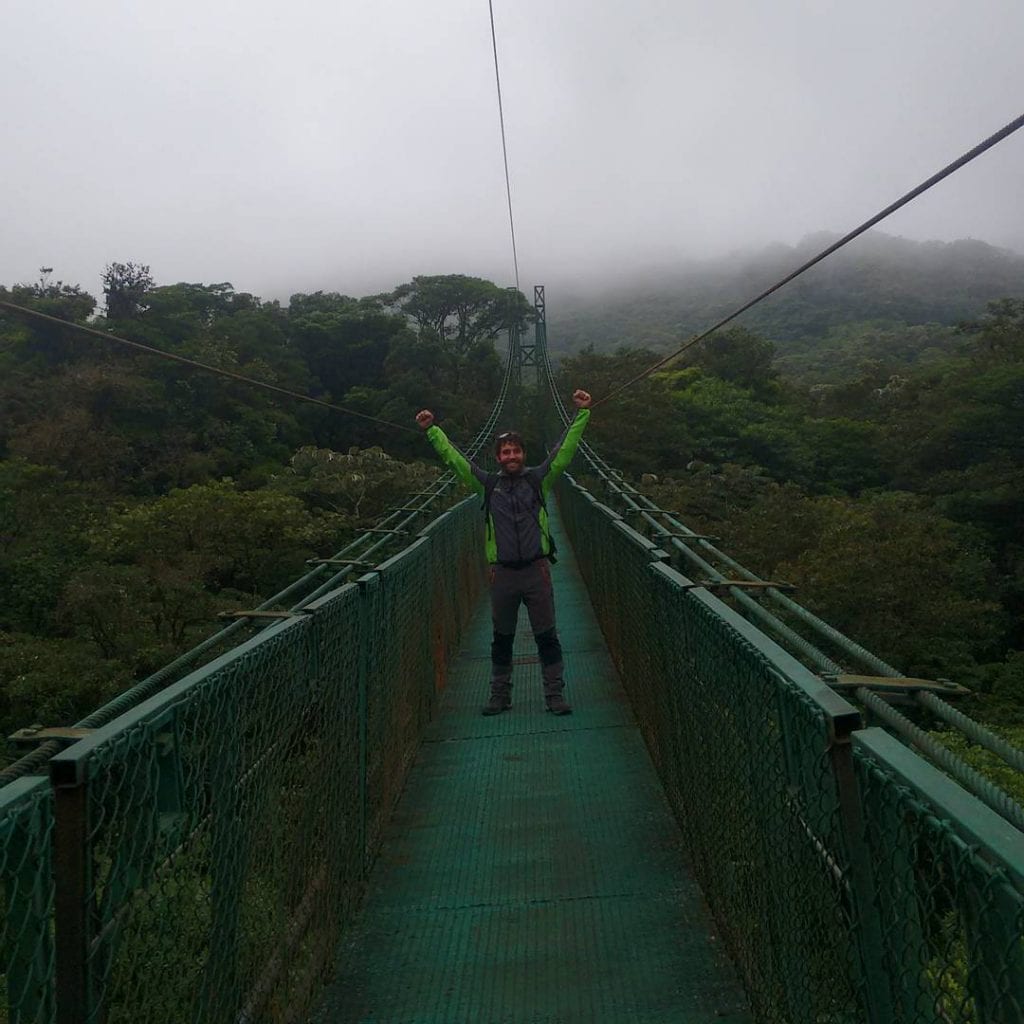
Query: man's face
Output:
(510,457)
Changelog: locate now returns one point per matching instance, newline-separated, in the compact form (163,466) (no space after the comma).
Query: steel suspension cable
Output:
(298,395)
(946,171)
(504,146)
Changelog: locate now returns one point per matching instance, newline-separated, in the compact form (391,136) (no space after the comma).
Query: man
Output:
(519,548)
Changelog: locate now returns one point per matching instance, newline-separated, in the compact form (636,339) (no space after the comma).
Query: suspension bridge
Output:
(306,818)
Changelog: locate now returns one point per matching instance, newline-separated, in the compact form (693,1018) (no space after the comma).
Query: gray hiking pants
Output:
(532,586)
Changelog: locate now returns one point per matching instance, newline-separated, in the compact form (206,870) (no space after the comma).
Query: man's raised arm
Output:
(561,455)
(468,472)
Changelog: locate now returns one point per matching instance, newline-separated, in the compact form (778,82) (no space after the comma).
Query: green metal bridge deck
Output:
(533,870)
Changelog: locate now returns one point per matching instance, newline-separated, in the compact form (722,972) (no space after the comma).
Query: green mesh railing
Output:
(850,880)
(26,884)
(404,619)
(213,841)
(739,733)
(948,875)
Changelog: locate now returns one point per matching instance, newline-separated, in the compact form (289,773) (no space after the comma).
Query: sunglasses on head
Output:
(509,437)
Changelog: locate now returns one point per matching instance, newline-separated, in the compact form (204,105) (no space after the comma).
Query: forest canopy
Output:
(139,497)
(878,466)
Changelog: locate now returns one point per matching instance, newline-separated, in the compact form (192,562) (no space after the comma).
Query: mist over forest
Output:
(880,282)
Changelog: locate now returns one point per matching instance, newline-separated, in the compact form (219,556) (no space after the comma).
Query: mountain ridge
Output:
(882,279)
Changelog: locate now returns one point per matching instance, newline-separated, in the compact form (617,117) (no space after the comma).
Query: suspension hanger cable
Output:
(504,147)
(902,201)
(298,395)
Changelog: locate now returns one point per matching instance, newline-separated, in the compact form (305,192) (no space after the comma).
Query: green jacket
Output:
(517,521)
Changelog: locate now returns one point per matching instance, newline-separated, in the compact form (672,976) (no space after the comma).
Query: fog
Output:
(344,146)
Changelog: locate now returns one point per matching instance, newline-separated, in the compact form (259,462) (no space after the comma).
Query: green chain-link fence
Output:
(842,894)
(948,878)
(738,733)
(212,842)
(26,887)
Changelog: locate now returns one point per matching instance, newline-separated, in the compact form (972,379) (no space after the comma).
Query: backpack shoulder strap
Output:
(535,483)
(489,484)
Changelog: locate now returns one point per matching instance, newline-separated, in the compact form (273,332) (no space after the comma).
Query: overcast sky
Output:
(303,145)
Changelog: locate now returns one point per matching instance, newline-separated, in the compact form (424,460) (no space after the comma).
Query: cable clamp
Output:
(719,586)
(895,684)
(652,511)
(35,735)
(258,613)
(355,562)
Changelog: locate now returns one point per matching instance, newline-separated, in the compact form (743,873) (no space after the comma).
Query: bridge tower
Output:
(539,349)
(515,346)
(527,352)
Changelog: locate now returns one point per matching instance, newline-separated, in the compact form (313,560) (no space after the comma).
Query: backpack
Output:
(492,481)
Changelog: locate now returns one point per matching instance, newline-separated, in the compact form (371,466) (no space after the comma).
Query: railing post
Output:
(72,867)
(364,671)
(873,977)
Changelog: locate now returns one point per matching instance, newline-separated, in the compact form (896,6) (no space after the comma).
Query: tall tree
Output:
(461,310)
(35,340)
(126,285)
(344,341)
(1000,332)
(738,356)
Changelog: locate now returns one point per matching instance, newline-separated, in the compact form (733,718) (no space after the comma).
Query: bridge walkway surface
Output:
(532,872)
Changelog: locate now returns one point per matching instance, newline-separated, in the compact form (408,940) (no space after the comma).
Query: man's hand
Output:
(425,418)
(581,399)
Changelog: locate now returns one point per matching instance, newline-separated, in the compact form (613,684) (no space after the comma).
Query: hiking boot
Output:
(557,705)
(498,703)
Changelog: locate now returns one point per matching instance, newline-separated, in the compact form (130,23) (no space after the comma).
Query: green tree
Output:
(461,310)
(738,356)
(53,681)
(32,344)
(55,298)
(907,583)
(345,342)
(177,312)
(356,485)
(44,519)
(140,615)
(126,286)
(218,535)
(1000,332)
(641,430)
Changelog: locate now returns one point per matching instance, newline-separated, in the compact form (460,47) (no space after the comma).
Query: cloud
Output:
(315,145)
